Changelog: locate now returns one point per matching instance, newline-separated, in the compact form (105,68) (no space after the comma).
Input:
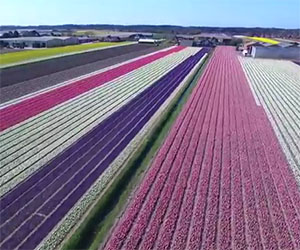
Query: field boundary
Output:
(129,176)
(5,66)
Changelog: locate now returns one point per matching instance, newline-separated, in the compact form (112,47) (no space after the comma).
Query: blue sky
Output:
(224,13)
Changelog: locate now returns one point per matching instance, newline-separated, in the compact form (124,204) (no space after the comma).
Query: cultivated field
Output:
(221,179)
(39,54)
(263,39)
(28,78)
(276,85)
(62,147)
(28,71)
(227,175)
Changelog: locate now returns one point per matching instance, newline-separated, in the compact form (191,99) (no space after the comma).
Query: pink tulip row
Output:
(281,191)
(220,180)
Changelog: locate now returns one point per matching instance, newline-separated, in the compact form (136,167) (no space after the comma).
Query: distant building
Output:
(276,52)
(151,41)
(39,42)
(282,49)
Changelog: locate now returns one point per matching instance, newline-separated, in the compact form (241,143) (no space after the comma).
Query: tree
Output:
(16,34)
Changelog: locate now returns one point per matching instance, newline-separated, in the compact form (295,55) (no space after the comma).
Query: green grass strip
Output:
(94,229)
(30,55)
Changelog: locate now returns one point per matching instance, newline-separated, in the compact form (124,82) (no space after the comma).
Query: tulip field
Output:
(224,178)
(263,39)
(61,147)
(276,85)
(226,174)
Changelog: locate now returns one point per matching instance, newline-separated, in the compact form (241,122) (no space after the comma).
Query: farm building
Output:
(151,41)
(261,47)
(39,42)
(280,51)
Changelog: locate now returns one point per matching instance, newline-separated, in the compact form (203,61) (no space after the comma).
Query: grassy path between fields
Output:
(97,224)
(19,57)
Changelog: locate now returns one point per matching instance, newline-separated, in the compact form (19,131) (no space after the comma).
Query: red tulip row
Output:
(220,180)
(16,113)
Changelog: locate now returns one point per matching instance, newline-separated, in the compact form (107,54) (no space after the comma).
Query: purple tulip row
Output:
(220,180)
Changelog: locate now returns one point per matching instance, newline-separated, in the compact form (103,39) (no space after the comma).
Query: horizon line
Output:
(190,26)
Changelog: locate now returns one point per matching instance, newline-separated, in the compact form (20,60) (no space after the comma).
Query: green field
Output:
(29,55)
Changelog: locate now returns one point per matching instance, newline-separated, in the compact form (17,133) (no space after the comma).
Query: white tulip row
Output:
(30,145)
(74,216)
(277,87)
